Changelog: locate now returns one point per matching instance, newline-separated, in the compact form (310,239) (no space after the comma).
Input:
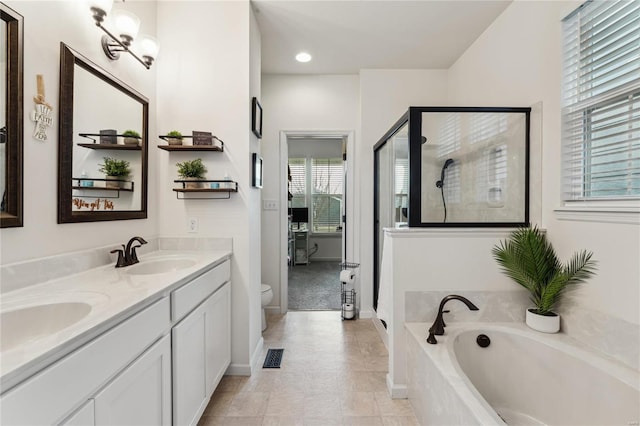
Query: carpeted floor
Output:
(315,286)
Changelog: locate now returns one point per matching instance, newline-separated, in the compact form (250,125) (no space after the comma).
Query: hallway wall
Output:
(296,103)
(211,90)
(385,96)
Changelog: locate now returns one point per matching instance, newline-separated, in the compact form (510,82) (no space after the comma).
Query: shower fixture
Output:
(440,184)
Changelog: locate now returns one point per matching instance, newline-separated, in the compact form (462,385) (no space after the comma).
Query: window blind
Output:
(401,180)
(326,194)
(298,182)
(601,102)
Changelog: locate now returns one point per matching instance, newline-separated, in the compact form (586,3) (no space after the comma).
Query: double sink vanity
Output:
(143,344)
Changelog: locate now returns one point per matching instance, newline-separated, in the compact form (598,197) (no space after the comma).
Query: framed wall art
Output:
(256,167)
(256,118)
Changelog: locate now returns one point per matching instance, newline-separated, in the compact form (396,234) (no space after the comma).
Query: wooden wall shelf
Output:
(184,190)
(111,146)
(192,148)
(216,143)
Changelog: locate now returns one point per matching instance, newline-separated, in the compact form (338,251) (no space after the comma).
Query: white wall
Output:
(46,24)
(210,89)
(384,96)
(296,103)
(517,61)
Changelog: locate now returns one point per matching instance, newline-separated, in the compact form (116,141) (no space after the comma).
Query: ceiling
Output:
(344,36)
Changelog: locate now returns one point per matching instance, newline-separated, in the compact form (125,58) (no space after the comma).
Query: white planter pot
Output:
(194,183)
(543,323)
(112,182)
(131,141)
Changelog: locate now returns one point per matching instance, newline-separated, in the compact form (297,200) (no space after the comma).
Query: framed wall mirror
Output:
(103,144)
(11,113)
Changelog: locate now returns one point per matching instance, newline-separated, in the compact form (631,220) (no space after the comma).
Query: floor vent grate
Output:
(273,358)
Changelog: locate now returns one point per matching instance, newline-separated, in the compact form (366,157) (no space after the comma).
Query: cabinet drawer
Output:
(187,297)
(52,393)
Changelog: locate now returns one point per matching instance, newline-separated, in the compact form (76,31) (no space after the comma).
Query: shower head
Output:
(447,163)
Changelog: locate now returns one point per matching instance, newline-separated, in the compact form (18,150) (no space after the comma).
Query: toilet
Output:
(267,297)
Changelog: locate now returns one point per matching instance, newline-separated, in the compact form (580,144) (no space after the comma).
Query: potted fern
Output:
(116,171)
(174,137)
(131,137)
(192,170)
(528,258)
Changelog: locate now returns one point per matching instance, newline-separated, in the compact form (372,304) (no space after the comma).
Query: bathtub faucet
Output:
(437,329)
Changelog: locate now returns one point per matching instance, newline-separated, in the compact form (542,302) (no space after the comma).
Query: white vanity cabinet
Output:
(157,363)
(201,342)
(57,390)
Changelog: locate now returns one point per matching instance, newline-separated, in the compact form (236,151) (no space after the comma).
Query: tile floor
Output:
(332,373)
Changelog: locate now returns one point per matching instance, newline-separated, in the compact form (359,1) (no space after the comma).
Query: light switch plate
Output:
(269,205)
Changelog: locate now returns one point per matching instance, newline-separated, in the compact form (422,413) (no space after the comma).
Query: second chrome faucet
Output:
(437,329)
(127,254)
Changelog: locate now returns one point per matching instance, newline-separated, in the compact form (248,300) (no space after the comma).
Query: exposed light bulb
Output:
(303,57)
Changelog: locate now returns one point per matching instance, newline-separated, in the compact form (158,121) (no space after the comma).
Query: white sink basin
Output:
(160,266)
(21,326)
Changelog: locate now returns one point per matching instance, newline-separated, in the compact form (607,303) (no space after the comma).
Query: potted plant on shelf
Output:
(528,258)
(115,169)
(131,137)
(192,170)
(174,137)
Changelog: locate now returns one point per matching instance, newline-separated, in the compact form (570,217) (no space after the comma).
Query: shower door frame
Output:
(415,167)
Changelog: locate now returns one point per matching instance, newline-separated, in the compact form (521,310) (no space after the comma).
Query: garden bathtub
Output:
(522,378)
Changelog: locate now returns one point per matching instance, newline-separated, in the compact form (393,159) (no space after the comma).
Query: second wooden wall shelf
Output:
(192,148)
(222,188)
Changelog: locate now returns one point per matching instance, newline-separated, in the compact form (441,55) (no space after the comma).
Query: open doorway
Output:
(316,200)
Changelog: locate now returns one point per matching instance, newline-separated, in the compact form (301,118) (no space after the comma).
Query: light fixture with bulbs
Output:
(127,25)
(303,57)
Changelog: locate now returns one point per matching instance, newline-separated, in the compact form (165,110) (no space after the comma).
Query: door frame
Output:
(348,239)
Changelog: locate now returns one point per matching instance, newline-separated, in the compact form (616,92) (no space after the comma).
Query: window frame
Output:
(310,195)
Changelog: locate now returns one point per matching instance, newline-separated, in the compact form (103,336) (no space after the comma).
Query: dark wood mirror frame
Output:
(12,216)
(68,60)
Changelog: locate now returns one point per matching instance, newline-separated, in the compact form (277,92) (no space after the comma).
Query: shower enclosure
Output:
(452,167)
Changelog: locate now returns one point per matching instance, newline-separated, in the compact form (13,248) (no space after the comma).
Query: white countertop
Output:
(113,293)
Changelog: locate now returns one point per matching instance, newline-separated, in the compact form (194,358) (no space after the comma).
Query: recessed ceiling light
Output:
(303,57)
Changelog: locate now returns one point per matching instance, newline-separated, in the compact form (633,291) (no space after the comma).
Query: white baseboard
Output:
(367,314)
(272,309)
(257,354)
(396,391)
(238,370)
(324,259)
(247,369)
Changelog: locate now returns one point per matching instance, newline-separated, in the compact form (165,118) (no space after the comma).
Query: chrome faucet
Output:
(437,329)
(127,255)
